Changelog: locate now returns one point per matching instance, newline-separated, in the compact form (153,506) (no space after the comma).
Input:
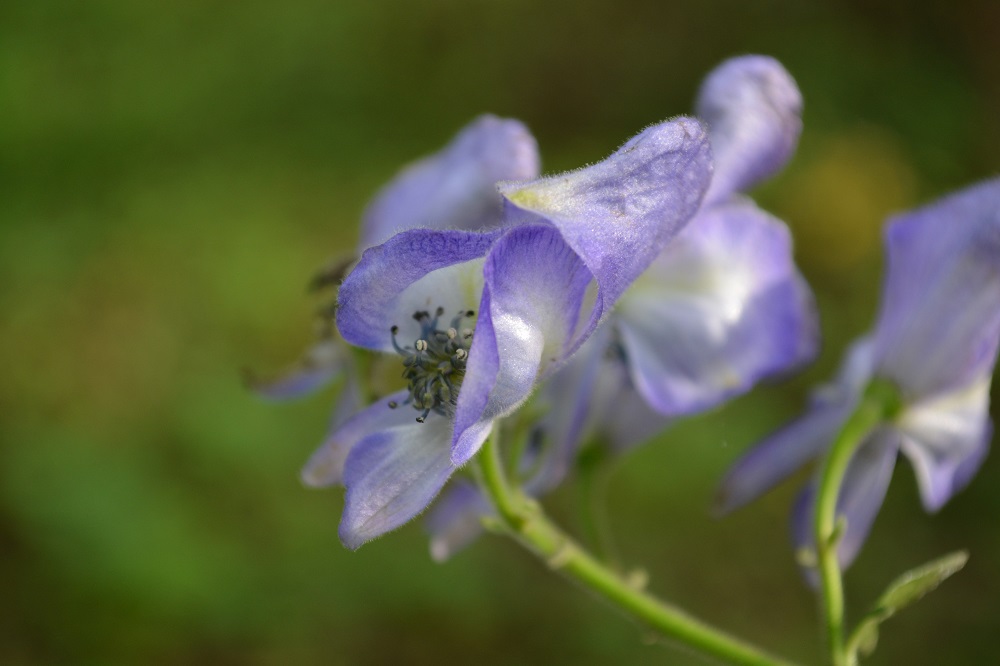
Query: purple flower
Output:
(720,308)
(754,112)
(454,188)
(477,318)
(936,342)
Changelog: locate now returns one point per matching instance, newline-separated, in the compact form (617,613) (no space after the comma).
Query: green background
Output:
(171,174)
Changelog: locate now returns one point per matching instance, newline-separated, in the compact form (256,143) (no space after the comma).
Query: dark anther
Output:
(435,365)
(393,404)
(395,345)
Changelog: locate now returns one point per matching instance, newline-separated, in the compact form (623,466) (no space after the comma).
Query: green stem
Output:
(523,517)
(878,403)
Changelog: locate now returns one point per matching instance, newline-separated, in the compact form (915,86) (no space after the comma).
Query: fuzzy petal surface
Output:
(720,309)
(391,476)
(420,269)
(456,187)
(753,109)
(619,213)
(535,287)
(940,319)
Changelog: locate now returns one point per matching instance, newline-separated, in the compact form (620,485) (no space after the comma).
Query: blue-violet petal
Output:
(456,187)
(754,113)
(391,476)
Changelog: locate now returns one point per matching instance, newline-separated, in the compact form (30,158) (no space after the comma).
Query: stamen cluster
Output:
(435,365)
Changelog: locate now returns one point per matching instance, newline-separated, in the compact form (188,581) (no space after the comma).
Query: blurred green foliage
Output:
(171,173)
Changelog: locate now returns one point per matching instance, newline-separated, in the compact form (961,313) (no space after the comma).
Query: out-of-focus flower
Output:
(936,343)
(454,188)
(568,247)
(720,308)
(725,306)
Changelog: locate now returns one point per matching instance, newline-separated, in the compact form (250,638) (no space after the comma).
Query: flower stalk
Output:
(878,404)
(524,519)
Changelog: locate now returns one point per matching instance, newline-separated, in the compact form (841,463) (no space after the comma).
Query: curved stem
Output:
(524,518)
(877,404)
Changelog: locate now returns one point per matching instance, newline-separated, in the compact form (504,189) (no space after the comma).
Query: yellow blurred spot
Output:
(838,202)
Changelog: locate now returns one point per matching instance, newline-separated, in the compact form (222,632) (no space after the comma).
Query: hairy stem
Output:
(526,522)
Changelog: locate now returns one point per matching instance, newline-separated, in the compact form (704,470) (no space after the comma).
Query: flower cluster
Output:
(452,189)
(537,286)
(624,295)
(719,309)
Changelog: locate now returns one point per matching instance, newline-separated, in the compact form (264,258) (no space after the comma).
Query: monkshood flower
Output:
(721,333)
(722,306)
(936,343)
(477,318)
(454,188)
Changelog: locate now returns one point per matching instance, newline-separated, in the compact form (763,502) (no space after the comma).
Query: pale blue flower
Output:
(936,341)
(723,306)
(720,308)
(529,293)
(454,188)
